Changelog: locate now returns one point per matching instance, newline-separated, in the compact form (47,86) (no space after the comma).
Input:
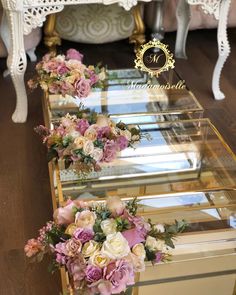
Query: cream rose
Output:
(79,142)
(137,262)
(109,226)
(88,147)
(160,228)
(115,246)
(90,248)
(91,134)
(126,133)
(103,121)
(97,154)
(154,244)
(99,260)
(139,250)
(85,219)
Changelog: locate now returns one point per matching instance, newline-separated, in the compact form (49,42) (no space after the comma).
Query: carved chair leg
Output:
(16,61)
(51,39)
(223,48)
(183,16)
(138,36)
(31,54)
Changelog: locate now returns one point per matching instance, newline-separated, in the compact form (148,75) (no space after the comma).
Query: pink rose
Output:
(121,274)
(66,88)
(122,142)
(32,247)
(133,236)
(74,54)
(82,87)
(82,126)
(76,269)
(83,234)
(64,215)
(93,273)
(110,151)
(62,69)
(101,287)
(103,132)
(93,78)
(54,88)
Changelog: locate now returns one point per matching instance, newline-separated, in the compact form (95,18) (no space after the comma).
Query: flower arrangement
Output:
(87,139)
(67,75)
(102,245)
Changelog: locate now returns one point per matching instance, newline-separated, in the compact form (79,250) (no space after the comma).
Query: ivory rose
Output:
(90,248)
(85,219)
(91,134)
(97,154)
(109,226)
(154,244)
(139,250)
(88,147)
(115,246)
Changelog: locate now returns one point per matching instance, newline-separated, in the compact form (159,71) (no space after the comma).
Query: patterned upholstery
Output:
(94,23)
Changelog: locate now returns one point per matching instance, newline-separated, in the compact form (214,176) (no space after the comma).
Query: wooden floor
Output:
(24,185)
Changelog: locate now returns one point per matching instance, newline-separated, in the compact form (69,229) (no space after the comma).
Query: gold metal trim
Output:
(154,44)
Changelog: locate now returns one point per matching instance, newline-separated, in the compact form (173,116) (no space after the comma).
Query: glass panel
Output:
(182,156)
(127,94)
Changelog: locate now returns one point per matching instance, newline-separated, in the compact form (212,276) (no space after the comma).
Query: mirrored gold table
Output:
(186,171)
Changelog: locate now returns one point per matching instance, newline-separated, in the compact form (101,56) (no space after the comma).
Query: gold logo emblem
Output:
(154,58)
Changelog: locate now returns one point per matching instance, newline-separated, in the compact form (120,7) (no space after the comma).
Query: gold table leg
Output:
(51,39)
(138,36)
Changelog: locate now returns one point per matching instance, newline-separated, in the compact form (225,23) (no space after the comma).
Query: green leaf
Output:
(150,255)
